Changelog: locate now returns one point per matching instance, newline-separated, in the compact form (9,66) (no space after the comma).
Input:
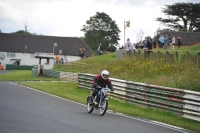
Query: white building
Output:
(24,48)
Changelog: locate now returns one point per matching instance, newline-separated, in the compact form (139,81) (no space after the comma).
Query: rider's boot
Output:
(94,101)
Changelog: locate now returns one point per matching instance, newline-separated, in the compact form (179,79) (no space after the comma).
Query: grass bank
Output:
(182,75)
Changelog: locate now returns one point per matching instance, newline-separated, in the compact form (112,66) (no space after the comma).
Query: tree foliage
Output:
(182,16)
(22,32)
(100,28)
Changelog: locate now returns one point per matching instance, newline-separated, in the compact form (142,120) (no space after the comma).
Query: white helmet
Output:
(105,74)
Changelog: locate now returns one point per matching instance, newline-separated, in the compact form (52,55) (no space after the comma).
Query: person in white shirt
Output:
(173,42)
(117,50)
(128,46)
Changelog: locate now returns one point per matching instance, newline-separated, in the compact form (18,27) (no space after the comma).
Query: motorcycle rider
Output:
(100,81)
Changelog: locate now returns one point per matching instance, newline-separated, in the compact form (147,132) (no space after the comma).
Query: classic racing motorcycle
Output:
(101,99)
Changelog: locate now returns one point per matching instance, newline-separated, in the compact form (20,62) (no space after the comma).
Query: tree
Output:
(21,32)
(186,13)
(100,28)
(139,36)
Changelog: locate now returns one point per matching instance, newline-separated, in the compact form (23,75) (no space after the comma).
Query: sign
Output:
(2,56)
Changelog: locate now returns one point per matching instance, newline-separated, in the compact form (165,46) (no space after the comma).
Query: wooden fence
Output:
(167,56)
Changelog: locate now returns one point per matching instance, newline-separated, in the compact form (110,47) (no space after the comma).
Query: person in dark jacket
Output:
(101,81)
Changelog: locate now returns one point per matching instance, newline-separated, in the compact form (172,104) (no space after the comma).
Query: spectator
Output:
(117,50)
(159,43)
(154,42)
(145,42)
(1,67)
(83,52)
(179,39)
(173,42)
(161,39)
(149,45)
(148,48)
(128,46)
(166,41)
(99,50)
(170,41)
(57,59)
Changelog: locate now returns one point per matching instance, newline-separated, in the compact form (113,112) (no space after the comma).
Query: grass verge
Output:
(22,75)
(69,90)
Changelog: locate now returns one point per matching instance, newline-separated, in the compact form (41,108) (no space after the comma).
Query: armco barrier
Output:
(181,102)
(68,76)
(52,73)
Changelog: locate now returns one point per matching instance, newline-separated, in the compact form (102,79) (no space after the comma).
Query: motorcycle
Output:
(101,99)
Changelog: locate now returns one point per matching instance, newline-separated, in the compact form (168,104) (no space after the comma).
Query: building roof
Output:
(187,37)
(37,43)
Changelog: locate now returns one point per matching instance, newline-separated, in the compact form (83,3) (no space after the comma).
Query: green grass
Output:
(69,90)
(182,75)
(22,75)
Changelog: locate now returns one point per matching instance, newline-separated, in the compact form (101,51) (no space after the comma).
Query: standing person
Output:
(101,80)
(117,51)
(128,46)
(148,48)
(1,67)
(173,42)
(145,42)
(161,39)
(154,42)
(149,45)
(170,41)
(57,58)
(179,39)
(99,49)
(83,53)
(166,41)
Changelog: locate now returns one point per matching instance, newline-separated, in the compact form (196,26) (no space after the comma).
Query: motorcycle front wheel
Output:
(103,107)
(90,108)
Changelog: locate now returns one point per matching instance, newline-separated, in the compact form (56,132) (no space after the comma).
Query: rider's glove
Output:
(96,85)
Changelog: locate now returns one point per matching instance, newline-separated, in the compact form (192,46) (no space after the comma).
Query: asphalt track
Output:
(25,110)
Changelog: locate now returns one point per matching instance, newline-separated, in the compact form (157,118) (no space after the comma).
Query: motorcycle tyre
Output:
(89,107)
(102,112)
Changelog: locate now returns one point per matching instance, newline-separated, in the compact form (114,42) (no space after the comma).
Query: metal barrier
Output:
(74,65)
(68,76)
(181,102)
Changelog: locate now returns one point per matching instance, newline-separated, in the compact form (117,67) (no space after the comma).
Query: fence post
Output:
(139,54)
(198,58)
(158,56)
(176,54)
(187,56)
(145,54)
(166,56)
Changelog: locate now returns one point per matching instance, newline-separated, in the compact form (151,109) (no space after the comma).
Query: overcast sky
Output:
(67,17)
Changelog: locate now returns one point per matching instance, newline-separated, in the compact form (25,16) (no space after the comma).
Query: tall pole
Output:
(124,31)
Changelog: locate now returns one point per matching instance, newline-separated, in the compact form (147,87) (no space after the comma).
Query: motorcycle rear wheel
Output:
(90,108)
(103,107)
